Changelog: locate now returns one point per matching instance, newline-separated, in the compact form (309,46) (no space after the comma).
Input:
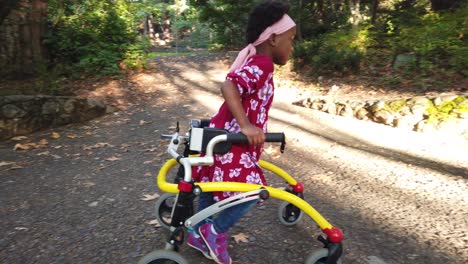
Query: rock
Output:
(94,104)
(361,114)
(69,106)
(22,114)
(111,109)
(377,106)
(12,111)
(407,121)
(405,111)
(339,107)
(316,106)
(428,127)
(50,108)
(347,111)
(419,100)
(330,108)
(383,117)
(444,98)
(419,110)
(450,125)
(404,60)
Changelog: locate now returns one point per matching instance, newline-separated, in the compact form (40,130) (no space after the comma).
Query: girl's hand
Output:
(254,134)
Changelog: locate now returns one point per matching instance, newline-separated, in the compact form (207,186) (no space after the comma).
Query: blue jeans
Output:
(226,218)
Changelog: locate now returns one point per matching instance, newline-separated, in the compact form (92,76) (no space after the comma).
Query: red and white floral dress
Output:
(255,84)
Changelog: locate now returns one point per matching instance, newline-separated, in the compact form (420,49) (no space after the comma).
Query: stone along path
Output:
(399,196)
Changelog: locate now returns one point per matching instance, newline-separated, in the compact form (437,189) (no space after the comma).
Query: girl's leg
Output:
(215,234)
(194,240)
(228,217)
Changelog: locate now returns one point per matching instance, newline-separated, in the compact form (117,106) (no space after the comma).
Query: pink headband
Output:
(283,25)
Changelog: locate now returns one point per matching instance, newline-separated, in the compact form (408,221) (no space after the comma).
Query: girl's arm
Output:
(233,100)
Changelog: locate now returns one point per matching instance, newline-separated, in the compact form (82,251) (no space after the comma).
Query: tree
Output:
(375,6)
(439,5)
(22,27)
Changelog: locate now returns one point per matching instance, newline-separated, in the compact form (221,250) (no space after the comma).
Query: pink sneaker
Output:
(195,241)
(217,244)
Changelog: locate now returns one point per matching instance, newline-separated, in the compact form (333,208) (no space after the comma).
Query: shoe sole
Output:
(203,252)
(212,254)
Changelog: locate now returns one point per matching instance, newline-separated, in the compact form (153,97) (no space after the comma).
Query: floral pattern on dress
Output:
(226,158)
(240,164)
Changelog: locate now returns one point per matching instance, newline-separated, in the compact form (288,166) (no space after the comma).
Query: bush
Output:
(92,36)
(436,39)
(337,51)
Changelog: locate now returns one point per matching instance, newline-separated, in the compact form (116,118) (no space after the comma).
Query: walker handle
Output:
(269,137)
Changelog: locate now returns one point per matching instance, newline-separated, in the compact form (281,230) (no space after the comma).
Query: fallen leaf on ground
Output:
(43,142)
(72,136)
(154,222)
(113,158)
(149,197)
(88,184)
(43,153)
(26,146)
(6,163)
(148,174)
(15,167)
(101,167)
(241,238)
(143,122)
(151,149)
(55,135)
(97,145)
(18,138)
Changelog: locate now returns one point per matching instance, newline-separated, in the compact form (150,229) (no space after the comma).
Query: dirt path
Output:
(399,196)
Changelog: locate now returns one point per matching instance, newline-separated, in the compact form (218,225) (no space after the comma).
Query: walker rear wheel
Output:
(319,257)
(163,257)
(164,206)
(289,214)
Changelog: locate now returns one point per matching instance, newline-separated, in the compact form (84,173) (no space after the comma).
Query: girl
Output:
(248,93)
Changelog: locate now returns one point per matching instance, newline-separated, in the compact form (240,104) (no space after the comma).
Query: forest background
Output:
(398,42)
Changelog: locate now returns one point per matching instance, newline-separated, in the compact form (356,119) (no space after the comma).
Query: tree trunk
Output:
(21,31)
(439,5)
(355,9)
(375,6)
(299,22)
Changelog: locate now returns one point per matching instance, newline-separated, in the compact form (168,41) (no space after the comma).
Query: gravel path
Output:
(399,196)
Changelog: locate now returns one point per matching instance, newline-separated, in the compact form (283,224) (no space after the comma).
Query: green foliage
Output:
(227,19)
(447,110)
(435,38)
(92,36)
(340,50)
(135,56)
(395,106)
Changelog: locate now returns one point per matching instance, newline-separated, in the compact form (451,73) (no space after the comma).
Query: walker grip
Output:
(269,137)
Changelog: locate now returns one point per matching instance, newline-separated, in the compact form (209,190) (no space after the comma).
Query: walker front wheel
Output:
(319,257)
(163,257)
(289,214)
(164,206)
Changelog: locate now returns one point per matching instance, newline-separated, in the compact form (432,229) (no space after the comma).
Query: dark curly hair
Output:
(263,16)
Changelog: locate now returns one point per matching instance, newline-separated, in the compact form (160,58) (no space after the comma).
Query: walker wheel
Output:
(164,206)
(163,257)
(319,257)
(289,214)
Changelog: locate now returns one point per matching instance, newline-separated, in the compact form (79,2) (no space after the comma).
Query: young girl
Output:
(248,93)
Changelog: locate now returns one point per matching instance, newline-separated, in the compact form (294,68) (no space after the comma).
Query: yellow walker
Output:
(175,209)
